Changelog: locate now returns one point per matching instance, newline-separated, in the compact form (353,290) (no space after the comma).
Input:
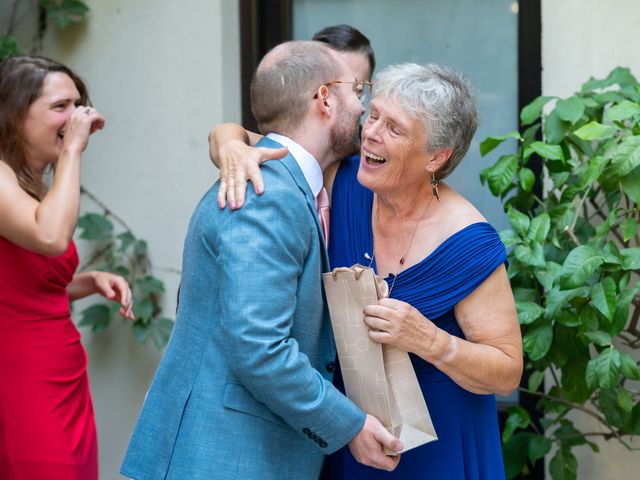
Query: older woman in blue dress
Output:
(450,304)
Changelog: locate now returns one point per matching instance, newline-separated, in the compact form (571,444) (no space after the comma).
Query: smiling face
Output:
(43,128)
(394,148)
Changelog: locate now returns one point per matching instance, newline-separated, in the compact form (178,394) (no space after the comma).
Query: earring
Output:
(434,186)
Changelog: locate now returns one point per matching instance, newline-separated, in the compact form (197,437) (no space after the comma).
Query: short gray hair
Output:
(285,80)
(441,99)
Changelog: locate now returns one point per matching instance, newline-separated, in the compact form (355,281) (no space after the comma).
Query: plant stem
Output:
(107,210)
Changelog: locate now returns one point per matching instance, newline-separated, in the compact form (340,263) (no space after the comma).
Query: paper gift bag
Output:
(378,378)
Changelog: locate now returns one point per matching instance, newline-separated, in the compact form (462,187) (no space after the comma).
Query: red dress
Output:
(47,429)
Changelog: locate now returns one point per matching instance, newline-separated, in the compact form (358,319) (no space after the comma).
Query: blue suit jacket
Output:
(244,389)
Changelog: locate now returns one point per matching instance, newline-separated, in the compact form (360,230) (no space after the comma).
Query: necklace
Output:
(404,255)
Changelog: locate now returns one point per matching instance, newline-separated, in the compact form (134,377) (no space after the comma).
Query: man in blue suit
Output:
(244,389)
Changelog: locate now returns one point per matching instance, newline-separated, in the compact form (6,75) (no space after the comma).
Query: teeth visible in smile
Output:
(375,158)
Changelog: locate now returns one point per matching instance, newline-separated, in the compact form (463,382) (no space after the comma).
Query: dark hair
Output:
(285,80)
(346,38)
(21,83)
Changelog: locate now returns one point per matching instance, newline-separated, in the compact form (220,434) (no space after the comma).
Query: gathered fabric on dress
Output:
(47,427)
(468,445)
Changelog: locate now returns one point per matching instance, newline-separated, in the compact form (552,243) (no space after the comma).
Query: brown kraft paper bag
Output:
(378,378)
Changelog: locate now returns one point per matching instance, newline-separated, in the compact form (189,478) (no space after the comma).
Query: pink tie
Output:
(322,204)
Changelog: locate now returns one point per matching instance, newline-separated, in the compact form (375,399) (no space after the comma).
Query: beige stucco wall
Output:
(162,73)
(583,38)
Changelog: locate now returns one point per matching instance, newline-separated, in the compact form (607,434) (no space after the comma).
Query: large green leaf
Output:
(516,453)
(519,221)
(570,109)
(150,286)
(604,370)
(96,316)
(555,129)
(529,312)
(490,143)
(518,418)
(548,274)
(594,131)
(631,185)
(599,337)
(501,175)
(557,298)
(628,367)
(630,258)
(622,111)
(629,227)
(532,112)
(526,179)
(603,297)
(573,380)
(530,255)
(537,341)
(535,380)
(539,229)
(563,465)
(94,226)
(579,265)
(551,152)
(539,446)
(626,157)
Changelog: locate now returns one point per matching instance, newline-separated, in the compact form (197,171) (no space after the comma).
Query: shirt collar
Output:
(307,162)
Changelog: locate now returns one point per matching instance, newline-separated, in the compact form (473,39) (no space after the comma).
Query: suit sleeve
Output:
(263,250)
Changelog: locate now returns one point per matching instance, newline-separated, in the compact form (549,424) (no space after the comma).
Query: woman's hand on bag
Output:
(397,323)
(239,164)
(115,288)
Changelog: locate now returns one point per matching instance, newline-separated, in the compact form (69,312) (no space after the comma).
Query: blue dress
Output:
(468,445)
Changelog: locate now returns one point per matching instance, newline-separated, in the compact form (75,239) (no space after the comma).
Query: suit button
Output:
(330,367)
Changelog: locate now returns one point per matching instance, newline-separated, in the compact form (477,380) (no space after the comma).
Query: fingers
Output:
(271,153)
(368,445)
(388,441)
(222,194)
(255,177)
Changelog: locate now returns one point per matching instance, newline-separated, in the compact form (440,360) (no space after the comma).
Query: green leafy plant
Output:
(122,252)
(574,260)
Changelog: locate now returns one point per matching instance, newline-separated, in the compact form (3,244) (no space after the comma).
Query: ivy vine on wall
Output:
(114,247)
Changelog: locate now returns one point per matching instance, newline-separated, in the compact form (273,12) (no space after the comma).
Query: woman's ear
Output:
(439,160)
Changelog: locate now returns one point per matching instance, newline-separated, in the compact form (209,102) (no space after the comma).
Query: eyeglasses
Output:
(362,88)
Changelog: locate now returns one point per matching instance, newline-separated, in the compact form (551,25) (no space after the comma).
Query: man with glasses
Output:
(244,389)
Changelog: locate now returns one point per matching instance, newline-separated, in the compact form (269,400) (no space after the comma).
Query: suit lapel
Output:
(292,166)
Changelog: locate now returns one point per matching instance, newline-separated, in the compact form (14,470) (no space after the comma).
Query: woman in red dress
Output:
(47,429)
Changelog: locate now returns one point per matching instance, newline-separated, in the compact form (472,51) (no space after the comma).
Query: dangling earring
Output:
(434,186)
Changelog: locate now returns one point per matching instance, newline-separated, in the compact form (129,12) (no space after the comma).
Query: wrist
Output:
(442,348)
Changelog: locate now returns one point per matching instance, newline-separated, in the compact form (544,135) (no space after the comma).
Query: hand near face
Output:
(83,122)
(397,323)
(115,288)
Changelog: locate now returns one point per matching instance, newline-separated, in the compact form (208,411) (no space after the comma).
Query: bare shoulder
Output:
(459,212)
(7,174)
(9,185)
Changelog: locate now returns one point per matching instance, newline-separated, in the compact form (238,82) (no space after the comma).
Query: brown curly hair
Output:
(21,83)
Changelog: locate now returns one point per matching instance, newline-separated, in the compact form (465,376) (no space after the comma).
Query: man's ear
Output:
(439,159)
(322,102)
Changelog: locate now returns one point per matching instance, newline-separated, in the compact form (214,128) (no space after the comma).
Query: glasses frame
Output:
(364,83)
